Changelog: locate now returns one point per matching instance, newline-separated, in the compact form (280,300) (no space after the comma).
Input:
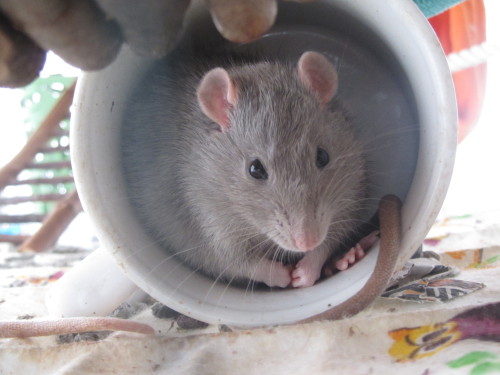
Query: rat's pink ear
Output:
(318,75)
(217,94)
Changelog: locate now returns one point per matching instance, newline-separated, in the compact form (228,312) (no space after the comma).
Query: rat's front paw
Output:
(306,272)
(277,275)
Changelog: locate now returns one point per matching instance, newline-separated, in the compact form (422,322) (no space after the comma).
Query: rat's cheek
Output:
(282,239)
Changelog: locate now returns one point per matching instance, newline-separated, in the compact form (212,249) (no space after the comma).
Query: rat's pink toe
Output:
(350,258)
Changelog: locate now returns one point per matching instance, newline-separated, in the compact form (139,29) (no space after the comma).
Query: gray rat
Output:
(233,168)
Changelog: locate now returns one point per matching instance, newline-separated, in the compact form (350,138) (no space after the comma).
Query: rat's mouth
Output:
(289,243)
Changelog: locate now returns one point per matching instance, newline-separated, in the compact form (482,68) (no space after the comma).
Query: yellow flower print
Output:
(415,343)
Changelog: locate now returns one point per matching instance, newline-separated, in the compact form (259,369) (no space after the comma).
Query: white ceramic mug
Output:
(417,167)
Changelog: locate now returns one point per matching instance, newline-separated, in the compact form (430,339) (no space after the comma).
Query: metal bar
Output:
(31,198)
(15,219)
(44,181)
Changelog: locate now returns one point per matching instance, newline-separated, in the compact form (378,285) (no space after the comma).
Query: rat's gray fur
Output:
(189,182)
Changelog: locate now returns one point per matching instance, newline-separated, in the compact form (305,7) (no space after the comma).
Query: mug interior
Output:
(406,122)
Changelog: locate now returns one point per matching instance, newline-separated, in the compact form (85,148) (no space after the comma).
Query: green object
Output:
(487,262)
(433,7)
(471,358)
(38,100)
(486,368)
(41,95)
(484,363)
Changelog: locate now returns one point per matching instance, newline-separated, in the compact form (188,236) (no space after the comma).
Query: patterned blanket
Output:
(437,317)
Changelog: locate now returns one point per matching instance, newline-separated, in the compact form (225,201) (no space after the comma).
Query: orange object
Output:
(461,27)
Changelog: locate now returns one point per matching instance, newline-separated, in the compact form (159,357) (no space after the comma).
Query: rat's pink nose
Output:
(305,241)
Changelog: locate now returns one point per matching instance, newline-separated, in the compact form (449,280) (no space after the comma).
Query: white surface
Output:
(475,184)
(92,288)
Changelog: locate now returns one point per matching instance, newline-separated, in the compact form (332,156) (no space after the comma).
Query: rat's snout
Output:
(305,241)
(306,234)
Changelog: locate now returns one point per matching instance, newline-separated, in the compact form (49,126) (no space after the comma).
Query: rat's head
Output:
(292,166)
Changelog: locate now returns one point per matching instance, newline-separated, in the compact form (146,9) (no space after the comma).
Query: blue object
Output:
(433,7)
(10,229)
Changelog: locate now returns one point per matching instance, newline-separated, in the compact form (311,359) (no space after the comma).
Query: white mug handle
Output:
(93,287)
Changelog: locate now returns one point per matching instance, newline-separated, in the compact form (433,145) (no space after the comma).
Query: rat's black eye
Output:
(322,158)
(257,170)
